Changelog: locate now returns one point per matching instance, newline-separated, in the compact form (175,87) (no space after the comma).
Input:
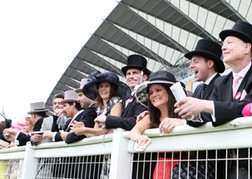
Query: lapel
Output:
(128,104)
(197,92)
(210,87)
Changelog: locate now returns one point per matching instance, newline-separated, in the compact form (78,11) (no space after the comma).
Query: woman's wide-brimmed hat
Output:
(241,30)
(208,49)
(90,90)
(37,107)
(159,77)
(138,62)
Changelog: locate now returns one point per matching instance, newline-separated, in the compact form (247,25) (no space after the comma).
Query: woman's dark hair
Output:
(112,93)
(155,113)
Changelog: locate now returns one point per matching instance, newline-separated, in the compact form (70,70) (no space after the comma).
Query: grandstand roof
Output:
(160,30)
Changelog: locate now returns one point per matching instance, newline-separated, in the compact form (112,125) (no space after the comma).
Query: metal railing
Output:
(183,147)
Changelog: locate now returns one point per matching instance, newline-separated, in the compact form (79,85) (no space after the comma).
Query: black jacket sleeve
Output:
(23,138)
(128,120)
(87,117)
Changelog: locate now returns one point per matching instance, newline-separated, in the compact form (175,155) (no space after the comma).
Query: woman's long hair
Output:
(155,113)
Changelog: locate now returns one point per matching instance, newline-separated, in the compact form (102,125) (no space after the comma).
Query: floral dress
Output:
(107,158)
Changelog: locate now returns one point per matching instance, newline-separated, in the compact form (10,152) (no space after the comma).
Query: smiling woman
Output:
(161,115)
(42,37)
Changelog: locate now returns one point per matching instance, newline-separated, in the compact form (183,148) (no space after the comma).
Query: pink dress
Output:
(164,165)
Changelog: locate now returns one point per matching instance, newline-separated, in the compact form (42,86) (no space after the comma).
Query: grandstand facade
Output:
(161,30)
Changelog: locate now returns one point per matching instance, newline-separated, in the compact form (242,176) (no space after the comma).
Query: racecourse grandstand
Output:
(161,30)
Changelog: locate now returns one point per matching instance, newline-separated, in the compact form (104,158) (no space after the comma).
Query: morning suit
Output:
(208,91)
(226,107)
(198,93)
(47,123)
(87,116)
(206,94)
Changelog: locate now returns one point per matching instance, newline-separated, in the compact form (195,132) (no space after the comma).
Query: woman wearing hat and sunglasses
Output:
(161,114)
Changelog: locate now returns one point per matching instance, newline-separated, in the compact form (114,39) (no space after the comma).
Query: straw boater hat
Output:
(37,107)
(208,49)
(138,62)
(159,77)
(90,90)
(70,96)
(241,30)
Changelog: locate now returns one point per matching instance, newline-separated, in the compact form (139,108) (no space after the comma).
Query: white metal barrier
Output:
(124,160)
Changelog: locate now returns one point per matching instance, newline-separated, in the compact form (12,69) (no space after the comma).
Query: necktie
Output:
(204,86)
(236,84)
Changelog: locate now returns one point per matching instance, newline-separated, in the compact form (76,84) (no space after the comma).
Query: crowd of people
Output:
(103,103)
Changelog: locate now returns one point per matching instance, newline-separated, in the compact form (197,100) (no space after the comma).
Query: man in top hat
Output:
(206,65)
(232,91)
(38,113)
(88,105)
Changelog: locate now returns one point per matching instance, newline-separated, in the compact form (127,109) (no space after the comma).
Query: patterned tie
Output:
(204,86)
(236,84)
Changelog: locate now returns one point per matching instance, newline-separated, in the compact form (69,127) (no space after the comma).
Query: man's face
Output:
(135,77)
(233,50)
(57,106)
(68,109)
(201,67)
(83,100)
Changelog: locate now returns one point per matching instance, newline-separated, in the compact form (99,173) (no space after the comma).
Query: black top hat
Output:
(241,30)
(209,49)
(136,61)
(90,90)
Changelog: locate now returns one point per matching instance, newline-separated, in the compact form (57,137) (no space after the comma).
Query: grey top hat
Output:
(84,81)
(37,107)
(87,80)
(241,30)
(70,96)
(209,49)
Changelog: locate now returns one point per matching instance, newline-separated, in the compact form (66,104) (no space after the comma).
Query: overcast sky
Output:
(38,40)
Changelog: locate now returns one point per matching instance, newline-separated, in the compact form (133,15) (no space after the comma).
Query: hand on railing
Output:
(142,143)
(168,124)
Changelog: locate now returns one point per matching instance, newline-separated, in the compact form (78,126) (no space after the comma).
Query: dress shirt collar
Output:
(243,72)
(209,79)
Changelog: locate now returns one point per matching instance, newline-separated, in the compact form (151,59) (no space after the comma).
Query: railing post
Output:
(29,164)
(120,158)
